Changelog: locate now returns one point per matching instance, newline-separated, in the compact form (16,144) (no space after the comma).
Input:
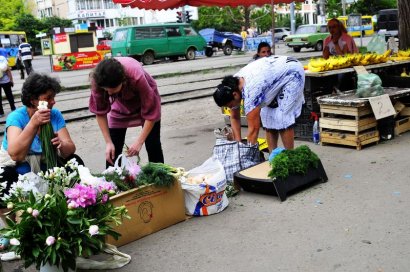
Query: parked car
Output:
(388,23)
(227,41)
(104,45)
(149,42)
(281,33)
(308,36)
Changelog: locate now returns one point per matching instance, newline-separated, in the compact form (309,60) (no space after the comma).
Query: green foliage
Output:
(220,18)
(158,174)
(49,216)
(121,177)
(9,11)
(49,151)
(291,162)
(371,7)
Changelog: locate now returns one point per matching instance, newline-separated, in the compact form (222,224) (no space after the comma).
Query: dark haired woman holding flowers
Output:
(124,95)
(22,150)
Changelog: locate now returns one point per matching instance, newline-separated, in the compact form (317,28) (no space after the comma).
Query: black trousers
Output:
(9,94)
(28,66)
(152,143)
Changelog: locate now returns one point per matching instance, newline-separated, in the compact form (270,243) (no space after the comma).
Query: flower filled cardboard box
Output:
(152,195)
(151,209)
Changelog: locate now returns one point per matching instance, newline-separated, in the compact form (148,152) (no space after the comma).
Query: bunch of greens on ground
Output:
(290,162)
(158,174)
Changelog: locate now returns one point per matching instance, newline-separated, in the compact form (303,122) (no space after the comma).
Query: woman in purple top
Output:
(124,95)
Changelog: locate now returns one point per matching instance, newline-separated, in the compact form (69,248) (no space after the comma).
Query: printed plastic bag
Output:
(369,85)
(204,189)
(236,156)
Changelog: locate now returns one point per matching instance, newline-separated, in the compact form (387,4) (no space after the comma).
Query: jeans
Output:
(9,94)
(152,143)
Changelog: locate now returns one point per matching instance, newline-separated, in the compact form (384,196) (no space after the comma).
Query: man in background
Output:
(26,55)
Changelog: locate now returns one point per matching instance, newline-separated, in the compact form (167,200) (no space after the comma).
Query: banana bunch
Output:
(401,55)
(349,60)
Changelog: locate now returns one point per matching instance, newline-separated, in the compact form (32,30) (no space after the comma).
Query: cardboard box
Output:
(151,208)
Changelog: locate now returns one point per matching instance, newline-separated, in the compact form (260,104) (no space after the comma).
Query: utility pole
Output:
(183,14)
(322,12)
(292,18)
(344,7)
(273,27)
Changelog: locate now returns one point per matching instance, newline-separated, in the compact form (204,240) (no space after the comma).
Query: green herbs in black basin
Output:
(291,162)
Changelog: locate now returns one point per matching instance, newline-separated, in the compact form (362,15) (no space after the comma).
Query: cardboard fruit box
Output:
(151,208)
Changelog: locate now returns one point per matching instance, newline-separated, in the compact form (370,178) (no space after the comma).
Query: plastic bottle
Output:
(316,133)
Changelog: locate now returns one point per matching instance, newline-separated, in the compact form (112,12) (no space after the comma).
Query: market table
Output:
(323,83)
(349,120)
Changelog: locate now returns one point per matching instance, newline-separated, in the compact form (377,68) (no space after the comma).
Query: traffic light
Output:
(179,17)
(188,17)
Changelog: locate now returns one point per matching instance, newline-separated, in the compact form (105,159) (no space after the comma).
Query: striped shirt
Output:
(25,51)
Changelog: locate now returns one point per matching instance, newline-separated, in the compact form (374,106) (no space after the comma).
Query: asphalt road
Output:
(357,221)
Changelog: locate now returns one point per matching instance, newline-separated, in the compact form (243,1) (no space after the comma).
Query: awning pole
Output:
(273,27)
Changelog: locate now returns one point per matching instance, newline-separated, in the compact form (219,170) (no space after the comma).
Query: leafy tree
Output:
(9,11)
(49,22)
(371,7)
(31,25)
(220,18)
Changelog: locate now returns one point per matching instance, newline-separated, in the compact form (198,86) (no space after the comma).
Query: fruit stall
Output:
(337,75)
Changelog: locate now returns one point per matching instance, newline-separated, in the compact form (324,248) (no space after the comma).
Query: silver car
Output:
(281,33)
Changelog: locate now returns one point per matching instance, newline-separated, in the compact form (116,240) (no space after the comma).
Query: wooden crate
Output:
(348,125)
(402,125)
(349,138)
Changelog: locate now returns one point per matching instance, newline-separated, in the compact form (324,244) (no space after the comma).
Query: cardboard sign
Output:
(360,70)
(382,106)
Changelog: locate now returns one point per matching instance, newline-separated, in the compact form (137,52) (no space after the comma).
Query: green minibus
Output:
(149,42)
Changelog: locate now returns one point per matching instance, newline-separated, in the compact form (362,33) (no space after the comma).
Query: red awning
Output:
(170,4)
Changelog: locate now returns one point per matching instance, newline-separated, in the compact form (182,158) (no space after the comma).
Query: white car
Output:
(282,33)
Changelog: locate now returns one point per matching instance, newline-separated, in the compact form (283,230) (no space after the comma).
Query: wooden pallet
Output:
(348,125)
(402,125)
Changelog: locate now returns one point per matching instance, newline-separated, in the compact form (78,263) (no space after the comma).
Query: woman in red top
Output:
(339,42)
(124,95)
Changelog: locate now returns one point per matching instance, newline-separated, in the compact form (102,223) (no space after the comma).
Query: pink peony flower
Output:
(35,213)
(134,170)
(106,186)
(104,198)
(50,240)
(81,196)
(93,230)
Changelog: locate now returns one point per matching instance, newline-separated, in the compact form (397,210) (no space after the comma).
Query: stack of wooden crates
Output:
(348,125)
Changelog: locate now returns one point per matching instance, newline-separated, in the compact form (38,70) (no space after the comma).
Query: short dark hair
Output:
(37,84)
(109,73)
(224,91)
(263,44)
(23,39)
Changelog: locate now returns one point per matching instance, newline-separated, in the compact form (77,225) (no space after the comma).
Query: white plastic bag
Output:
(207,197)
(124,162)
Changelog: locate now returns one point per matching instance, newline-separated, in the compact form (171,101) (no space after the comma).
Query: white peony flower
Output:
(14,242)
(42,105)
(50,240)
(93,230)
